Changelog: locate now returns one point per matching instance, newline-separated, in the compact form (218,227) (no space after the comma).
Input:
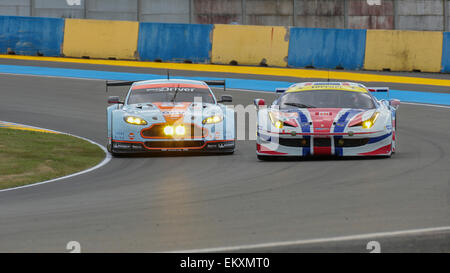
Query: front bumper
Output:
(119,146)
(376,144)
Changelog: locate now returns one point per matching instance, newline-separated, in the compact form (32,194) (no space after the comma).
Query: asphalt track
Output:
(175,203)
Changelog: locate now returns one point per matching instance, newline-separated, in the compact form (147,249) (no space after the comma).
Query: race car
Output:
(326,118)
(170,115)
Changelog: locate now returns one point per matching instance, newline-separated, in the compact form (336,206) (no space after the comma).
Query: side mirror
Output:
(394,102)
(113,100)
(259,102)
(226,98)
(280,90)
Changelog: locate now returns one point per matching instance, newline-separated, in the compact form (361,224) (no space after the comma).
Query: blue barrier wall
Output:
(31,35)
(446,53)
(174,42)
(327,48)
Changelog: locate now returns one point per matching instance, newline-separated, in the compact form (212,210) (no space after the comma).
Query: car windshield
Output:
(326,99)
(170,93)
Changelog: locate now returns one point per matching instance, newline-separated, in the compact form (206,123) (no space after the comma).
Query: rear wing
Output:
(378,89)
(129,83)
(217,83)
(118,83)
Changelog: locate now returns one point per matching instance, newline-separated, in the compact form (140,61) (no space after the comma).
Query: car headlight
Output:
(276,122)
(212,119)
(179,130)
(135,120)
(368,123)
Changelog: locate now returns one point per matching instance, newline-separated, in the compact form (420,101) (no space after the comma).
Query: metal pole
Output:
(395,15)
(190,11)
(138,11)
(85,9)
(345,14)
(445,12)
(293,11)
(243,12)
(32,8)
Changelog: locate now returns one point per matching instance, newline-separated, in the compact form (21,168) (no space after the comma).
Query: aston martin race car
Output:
(170,115)
(326,118)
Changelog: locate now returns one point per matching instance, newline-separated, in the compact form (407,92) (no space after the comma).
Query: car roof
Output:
(342,86)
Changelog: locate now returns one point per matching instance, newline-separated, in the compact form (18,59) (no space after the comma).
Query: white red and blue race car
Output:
(170,115)
(326,118)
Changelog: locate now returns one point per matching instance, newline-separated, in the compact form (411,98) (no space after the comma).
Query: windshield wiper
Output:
(299,105)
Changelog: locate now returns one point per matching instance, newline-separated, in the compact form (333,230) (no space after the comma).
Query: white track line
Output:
(50,76)
(426,104)
(367,236)
(101,164)
(231,89)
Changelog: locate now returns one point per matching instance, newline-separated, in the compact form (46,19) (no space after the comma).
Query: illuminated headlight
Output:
(276,122)
(368,123)
(212,119)
(168,130)
(135,120)
(180,130)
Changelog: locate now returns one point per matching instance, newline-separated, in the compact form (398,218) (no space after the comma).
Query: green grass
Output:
(28,157)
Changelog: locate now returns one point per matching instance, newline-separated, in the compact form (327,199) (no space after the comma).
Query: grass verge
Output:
(28,157)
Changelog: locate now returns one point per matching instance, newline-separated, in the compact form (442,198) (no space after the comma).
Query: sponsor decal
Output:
(173,112)
(225,145)
(324,113)
(121,146)
(170,89)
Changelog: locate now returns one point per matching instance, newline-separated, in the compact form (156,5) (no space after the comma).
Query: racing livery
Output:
(169,115)
(326,118)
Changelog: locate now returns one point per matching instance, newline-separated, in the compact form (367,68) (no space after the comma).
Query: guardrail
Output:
(395,50)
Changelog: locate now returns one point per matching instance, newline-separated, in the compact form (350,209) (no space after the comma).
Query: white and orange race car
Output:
(170,115)
(326,118)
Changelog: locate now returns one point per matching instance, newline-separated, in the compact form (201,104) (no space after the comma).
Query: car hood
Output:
(323,118)
(172,111)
